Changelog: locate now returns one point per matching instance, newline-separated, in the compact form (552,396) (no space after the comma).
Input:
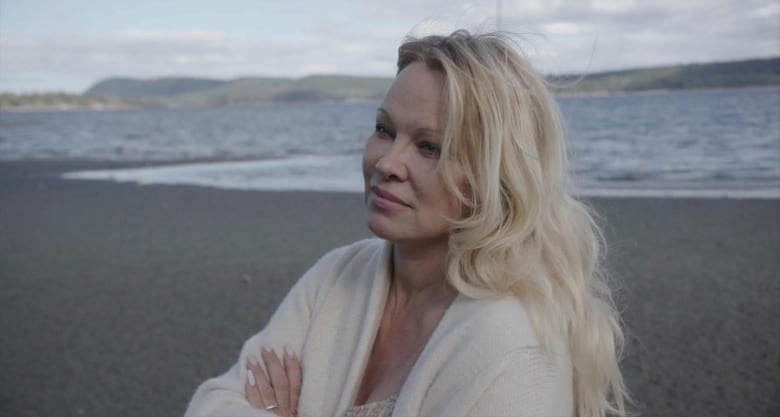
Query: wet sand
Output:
(118,300)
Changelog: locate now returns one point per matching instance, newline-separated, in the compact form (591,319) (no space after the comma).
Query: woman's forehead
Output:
(416,98)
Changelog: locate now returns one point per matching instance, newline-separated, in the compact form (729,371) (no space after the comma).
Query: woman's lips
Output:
(387,200)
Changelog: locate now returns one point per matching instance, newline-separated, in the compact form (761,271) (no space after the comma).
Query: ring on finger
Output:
(271,407)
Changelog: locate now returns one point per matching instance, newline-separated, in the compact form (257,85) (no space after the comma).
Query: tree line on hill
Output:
(115,93)
(734,74)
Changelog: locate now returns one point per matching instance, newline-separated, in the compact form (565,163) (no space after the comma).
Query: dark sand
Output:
(118,300)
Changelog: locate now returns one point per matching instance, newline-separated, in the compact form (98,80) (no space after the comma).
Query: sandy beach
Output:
(118,300)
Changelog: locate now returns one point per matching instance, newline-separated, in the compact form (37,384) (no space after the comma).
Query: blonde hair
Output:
(522,233)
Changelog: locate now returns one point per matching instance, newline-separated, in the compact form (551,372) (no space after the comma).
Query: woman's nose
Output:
(392,163)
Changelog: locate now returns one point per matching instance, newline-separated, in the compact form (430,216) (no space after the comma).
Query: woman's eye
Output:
(430,150)
(382,130)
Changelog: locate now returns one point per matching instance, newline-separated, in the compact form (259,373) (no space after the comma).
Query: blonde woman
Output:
(482,295)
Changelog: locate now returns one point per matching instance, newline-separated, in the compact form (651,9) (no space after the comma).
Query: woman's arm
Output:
(226,395)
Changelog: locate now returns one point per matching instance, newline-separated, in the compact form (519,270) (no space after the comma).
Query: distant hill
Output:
(206,92)
(133,88)
(202,92)
(114,93)
(754,72)
(61,102)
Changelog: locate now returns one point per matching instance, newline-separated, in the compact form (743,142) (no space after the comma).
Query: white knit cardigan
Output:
(483,358)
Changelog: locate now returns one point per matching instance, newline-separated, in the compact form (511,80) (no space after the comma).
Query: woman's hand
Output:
(279,391)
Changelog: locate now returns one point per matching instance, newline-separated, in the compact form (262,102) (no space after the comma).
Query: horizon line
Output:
(231,79)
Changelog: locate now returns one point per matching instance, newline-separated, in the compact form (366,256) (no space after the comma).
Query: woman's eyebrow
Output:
(419,131)
(381,111)
(428,132)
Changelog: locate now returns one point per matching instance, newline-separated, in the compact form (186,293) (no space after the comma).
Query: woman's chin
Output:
(380,229)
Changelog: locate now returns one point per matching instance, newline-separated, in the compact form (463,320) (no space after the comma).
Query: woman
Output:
(482,296)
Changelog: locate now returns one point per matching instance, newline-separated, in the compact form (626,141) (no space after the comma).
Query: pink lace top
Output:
(376,409)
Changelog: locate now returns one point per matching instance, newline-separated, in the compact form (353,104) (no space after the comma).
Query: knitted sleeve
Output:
(531,385)
(225,395)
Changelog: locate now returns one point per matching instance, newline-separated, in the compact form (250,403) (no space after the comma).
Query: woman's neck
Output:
(418,298)
(419,275)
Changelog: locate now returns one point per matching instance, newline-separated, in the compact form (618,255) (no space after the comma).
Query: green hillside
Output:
(342,87)
(754,72)
(245,90)
(198,92)
(164,87)
(203,92)
(62,101)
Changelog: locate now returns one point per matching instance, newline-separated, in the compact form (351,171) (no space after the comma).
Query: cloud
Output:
(187,37)
(601,35)
(593,35)
(559,36)
(204,54)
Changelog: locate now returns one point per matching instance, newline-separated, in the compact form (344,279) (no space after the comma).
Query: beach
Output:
(118,299)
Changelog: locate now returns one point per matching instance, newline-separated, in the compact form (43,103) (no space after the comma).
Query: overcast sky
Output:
(66,45)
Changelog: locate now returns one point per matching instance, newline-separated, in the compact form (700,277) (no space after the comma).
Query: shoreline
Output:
(139,293)
(609,93)
(558,93)
(157,106)
(194,173)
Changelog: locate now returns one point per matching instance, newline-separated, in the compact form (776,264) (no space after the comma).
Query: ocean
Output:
(719,143)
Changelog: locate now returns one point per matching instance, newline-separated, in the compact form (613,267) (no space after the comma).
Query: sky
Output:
(68,45)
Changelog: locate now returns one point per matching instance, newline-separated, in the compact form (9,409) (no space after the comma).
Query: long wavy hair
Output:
(522,233)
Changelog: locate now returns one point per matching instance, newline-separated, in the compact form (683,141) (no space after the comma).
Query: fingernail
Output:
(253,361)
(288,352)
(251,377)
(266,349)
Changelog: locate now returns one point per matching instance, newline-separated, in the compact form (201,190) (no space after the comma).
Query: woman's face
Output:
(405,195)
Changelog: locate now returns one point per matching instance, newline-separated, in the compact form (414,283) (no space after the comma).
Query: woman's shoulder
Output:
(501,321)
(482,341)
(342,265)
(354,255)
(487,331)
(360,248)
